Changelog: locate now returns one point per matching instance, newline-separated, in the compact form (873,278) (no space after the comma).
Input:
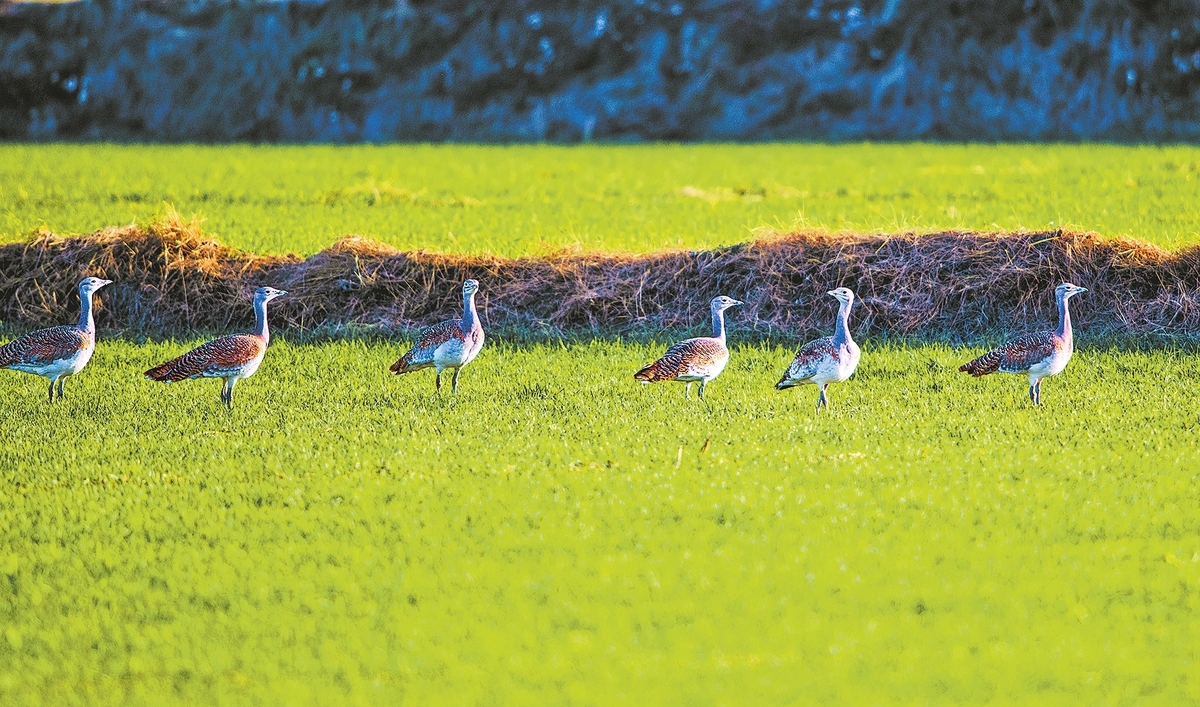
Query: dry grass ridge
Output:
(170,278)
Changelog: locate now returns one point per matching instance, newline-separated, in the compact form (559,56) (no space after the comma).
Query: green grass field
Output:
(527,199)
(558,534)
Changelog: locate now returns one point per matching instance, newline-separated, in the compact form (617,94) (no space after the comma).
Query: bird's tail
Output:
(985,364)
(167,373)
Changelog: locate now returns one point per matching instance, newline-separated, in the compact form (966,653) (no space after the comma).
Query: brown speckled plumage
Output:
(58,352)
(686,358)
(451,344)
(231,358)
(431,337)
(1039,355)
(219,358)
(1018,355)
(699,360)
(44,346)
(830,359)
(810,356)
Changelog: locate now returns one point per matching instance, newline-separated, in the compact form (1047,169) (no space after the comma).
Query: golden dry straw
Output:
(171,279)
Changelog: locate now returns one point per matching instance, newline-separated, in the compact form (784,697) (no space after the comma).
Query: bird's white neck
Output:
(841,334)
(1064,317)
(718,322)
(86,321)
(469,318)
(260,319)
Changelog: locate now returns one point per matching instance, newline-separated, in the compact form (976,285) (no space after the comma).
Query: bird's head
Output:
(88,285)
(266,294)
(1066,291)
(722,303)
(470,287)
(843,294)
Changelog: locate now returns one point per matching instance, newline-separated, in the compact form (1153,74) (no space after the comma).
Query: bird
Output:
(694,360)
(61,351)
(450,344)
(231,358)
(1040,354)
(831,359)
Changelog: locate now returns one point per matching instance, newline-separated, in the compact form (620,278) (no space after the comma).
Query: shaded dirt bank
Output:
(171,279)
(503,71)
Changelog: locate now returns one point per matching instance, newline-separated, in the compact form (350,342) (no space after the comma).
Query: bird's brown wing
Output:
(1016,356)
(44,346)
(808,358)
(218,358)
(685,358)
(430,338)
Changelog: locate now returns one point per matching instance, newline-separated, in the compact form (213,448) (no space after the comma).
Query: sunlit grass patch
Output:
(523,199)
(559,533)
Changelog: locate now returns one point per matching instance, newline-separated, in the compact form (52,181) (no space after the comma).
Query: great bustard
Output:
(231,358)
(828,360)
(450,344)
(694,360)
(1039,355)
(59,351)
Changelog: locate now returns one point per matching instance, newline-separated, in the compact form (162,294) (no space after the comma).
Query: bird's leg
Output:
(821,401)
(51,391)
(701,391)
(454,381)
(438,381)
(687,391)
(1038,387)
(60,387)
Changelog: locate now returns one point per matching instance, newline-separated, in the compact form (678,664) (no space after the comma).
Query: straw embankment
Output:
(170,279)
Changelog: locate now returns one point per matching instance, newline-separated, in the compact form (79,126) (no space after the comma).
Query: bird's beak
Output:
(281,293)
(832,293)
(737,303)
(105,282)
(1081,290)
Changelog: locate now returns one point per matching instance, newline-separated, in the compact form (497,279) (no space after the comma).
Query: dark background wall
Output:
(587,69)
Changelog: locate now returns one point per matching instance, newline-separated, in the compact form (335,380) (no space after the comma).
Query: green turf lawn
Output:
(527,199)
(559,535)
